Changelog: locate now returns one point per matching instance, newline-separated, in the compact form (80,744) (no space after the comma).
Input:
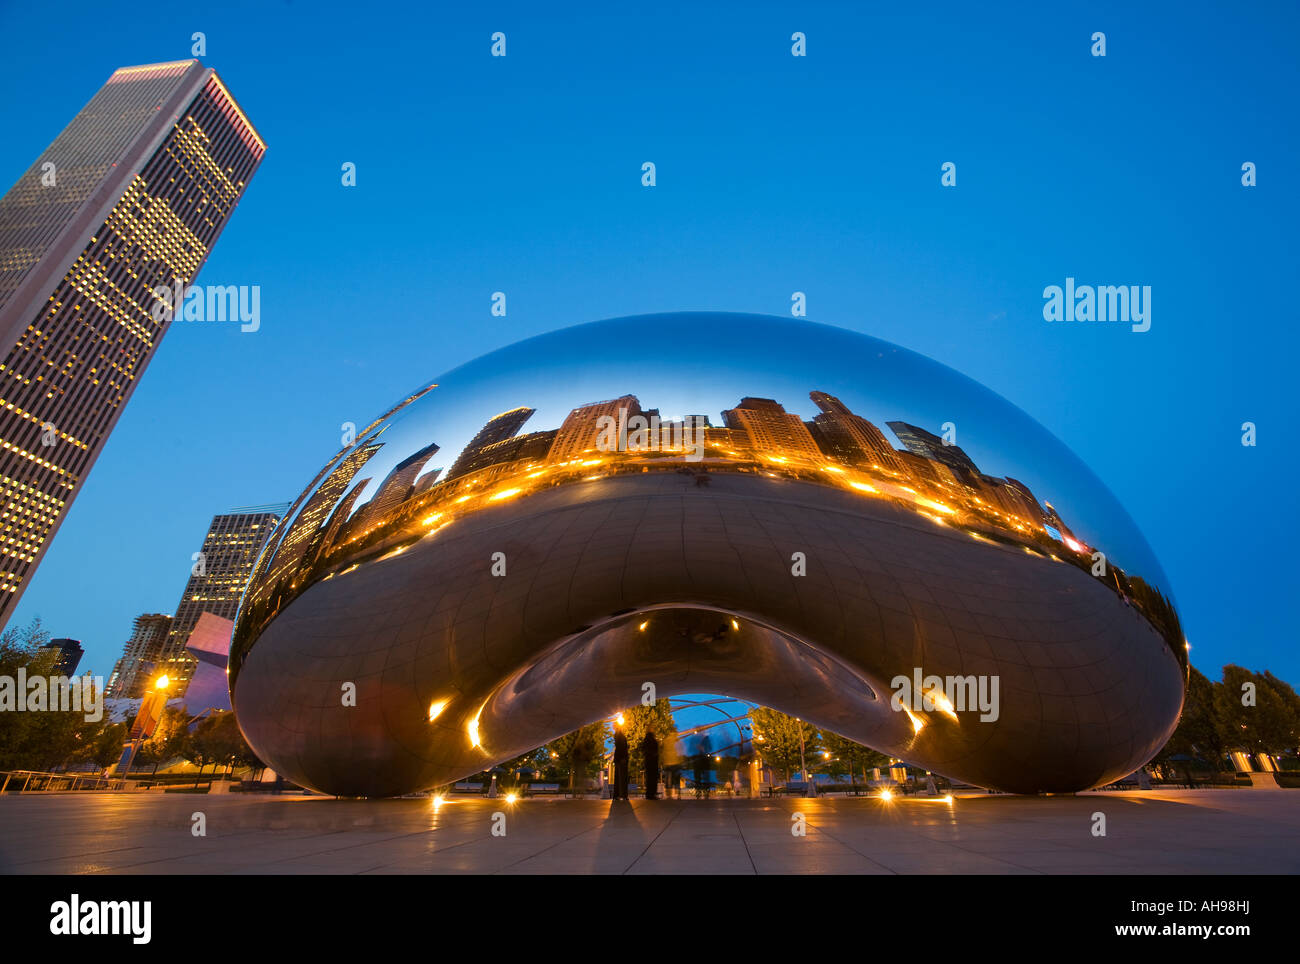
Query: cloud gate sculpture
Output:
(784,512)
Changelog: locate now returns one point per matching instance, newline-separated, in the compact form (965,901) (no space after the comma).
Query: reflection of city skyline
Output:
(836,447)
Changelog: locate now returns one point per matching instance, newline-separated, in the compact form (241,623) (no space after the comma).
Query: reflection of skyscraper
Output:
(426,481)
(534,446)
(930,446)
(770,428)
(1054,520)
(312,517)
(849,437)
(395,489)
(339,517)
(1032,510)
(140,654)
(217,579)
(129,198)
(581,427)
(497,429)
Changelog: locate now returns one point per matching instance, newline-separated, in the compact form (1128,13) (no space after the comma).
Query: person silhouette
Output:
(620,763)
(650,753)
(703,764)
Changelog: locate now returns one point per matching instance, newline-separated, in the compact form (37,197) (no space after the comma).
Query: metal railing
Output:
(33,781)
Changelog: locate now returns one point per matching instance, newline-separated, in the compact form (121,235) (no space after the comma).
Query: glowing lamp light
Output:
(886,795)
(436,707)
(504,494)
(917,723)
(942,703)
(511,798)
(619,719)
(473,732)
(162,682)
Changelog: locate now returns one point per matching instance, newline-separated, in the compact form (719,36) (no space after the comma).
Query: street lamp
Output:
(146,718)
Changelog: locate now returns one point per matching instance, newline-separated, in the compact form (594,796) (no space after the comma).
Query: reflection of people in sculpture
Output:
(650,753)
(620,763)
(702,766)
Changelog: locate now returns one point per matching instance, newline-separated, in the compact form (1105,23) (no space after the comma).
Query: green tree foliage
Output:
(1269,726)
(777,739)
(581,752)
(1200,733)
(217,741)
(39,740)
(639,720)
(168,739)
(853,758)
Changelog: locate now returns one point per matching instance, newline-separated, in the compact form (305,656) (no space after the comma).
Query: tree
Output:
(1200,733)
(1264,725)
(582,750)
(36,740)
(639,720)
(168,739)
(777,738)
(107,747)
(854,757)
(218,741)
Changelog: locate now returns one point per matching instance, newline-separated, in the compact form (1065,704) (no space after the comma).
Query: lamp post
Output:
(146,719)
(809,789)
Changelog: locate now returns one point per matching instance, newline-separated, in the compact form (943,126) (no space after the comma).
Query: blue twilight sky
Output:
(775,174)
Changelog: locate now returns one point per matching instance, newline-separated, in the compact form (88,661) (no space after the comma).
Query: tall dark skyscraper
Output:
(69,655)
(128,199)
(848,436)
(498,429)
(931,446)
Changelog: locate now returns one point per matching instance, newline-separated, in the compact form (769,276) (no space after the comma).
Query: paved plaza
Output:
(1156,832)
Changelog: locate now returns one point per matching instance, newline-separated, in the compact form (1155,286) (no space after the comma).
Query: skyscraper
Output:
(848,436)
(930,446)
(140,654)
(129,199)
(581,429)
(217,579)
(395,489)
(498,429)
(771,429)
(69,655)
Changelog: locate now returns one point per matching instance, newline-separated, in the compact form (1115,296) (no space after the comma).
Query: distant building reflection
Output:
(331,533)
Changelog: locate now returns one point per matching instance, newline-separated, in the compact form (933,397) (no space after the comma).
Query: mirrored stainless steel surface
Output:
(776,510)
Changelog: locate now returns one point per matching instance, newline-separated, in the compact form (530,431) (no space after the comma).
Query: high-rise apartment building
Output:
(850,437)
(139,656)
(770,429)
(127,202)
(217,579)
(581,429)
